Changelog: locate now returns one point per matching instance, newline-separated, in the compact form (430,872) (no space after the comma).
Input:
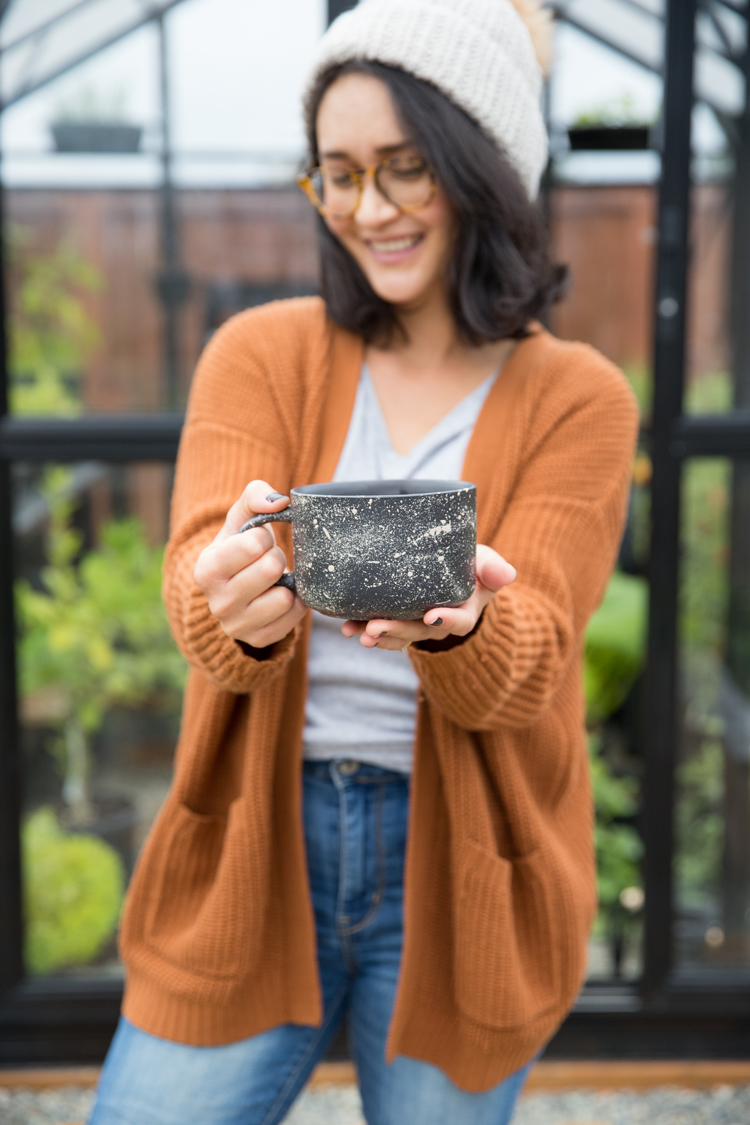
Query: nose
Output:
(374,209)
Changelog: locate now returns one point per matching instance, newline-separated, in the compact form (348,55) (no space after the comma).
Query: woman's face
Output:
(404,256)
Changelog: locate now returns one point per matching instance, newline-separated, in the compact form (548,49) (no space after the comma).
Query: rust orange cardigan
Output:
(218,934)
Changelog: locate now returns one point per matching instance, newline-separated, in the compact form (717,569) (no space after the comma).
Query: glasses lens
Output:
(335,189)
(406,181)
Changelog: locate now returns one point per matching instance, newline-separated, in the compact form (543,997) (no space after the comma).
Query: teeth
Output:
(394,244)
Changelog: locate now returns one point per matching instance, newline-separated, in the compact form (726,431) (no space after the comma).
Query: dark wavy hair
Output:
(500,274)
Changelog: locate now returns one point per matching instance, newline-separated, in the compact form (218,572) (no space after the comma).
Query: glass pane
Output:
(606,234)
(41,37)
(710,385)
(718,358)
(614,658)
(121,262)
(91,313)
(603,115)
(101,683)
(601,201)
(712,862)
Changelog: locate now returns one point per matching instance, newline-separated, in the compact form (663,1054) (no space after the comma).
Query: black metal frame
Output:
(668,1013)
(669,365)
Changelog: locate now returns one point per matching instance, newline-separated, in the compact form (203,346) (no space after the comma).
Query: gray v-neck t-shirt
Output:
(362,703)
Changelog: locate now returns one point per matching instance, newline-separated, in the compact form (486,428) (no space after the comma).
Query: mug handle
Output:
(284,516)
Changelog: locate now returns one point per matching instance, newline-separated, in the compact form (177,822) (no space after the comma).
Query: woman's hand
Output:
(237,574)
(493,572)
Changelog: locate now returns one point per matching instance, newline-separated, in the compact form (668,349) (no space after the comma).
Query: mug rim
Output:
(383,489)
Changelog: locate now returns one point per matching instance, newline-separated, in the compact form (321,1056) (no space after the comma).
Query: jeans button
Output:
(348,767)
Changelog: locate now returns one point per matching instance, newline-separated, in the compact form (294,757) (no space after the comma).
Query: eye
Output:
(339,177)
(407,167)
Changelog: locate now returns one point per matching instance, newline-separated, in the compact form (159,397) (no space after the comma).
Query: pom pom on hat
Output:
(487,56)
(538,20)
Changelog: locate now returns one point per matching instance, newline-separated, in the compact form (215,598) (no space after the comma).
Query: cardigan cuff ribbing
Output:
(220,658)
(470,682)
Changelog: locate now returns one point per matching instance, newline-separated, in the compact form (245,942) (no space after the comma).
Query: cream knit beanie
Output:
(486,55)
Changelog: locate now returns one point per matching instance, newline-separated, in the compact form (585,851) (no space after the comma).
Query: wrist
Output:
(449,642)
(255,653)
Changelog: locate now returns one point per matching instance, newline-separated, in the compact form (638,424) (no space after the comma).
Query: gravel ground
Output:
(725,1105)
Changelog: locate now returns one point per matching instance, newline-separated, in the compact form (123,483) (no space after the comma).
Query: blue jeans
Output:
(355,818)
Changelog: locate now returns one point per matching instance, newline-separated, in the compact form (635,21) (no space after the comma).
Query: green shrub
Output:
(73,891)
(704,606)
(613,658)
(615,646)
(618,846)
(699,826)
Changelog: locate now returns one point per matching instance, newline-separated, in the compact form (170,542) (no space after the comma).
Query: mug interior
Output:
(365,488)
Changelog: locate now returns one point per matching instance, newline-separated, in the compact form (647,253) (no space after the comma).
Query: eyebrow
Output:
(382,149)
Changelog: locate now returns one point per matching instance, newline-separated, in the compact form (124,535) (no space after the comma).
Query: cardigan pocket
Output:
(507,953)
(205,891)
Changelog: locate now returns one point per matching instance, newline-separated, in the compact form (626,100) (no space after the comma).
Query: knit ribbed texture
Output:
(218,933)
(478,52)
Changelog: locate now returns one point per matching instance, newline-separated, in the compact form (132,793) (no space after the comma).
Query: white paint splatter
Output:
(442,528)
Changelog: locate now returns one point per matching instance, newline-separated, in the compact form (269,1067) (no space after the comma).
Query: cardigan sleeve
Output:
(234,433)
(561,531)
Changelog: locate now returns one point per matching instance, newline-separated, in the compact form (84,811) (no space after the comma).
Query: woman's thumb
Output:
(492,569)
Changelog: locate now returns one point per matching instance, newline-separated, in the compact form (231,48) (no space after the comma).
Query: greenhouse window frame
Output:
(666,1014)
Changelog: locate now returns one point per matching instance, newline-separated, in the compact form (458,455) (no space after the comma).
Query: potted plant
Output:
(93,638)
(89,123)
(614,127)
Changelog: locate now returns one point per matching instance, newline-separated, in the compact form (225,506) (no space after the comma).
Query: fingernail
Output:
(383,634)
(274,496)
(437,621)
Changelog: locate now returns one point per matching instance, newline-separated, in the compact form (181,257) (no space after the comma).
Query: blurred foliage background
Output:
(51,333)
(94,636)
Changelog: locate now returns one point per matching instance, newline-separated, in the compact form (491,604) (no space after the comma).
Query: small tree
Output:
(51,334)
(96,634)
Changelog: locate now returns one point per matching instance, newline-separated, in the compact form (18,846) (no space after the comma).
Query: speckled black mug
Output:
(390,548)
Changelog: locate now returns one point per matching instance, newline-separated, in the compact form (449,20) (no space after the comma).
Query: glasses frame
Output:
(360,176)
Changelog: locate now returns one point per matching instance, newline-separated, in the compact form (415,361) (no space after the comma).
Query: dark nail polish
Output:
(274,496)
(383,634)
(437,621)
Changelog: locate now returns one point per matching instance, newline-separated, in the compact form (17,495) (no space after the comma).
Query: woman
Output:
(267,902)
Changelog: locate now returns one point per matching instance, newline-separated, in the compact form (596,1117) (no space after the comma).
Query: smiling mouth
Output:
(395,245)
